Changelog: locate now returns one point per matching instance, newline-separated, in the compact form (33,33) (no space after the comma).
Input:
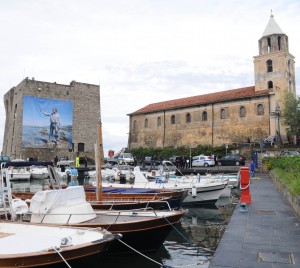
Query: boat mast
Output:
(99,155)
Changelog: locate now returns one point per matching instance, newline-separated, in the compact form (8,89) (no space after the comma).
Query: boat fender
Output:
(194,191)
(66,241)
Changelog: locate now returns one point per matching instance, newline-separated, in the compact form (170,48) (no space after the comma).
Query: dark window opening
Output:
(204,116)
(279,42)
(173,119)
(146,123)
(80,147)
(188,118)
(269,44)
(270,85)
(269,66)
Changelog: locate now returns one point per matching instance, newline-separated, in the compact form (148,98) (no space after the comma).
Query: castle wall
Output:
(86,106)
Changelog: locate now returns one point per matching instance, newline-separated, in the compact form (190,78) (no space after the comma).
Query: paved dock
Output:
(267,236)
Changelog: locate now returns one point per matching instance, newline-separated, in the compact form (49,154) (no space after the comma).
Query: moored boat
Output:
(33,245)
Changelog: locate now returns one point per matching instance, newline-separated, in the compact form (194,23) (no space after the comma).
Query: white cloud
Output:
(140,51)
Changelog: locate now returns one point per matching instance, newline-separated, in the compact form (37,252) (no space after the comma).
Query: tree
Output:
(291,114)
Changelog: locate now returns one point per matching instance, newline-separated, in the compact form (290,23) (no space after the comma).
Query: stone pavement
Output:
(267,236)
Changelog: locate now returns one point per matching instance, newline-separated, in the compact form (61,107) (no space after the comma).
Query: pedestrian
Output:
(85,161)
(55,160)
(77,161)
(252,169)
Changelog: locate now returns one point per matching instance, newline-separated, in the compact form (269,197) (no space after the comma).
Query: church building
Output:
(231,116)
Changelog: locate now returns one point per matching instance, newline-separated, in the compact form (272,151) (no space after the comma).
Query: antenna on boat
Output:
(99,153)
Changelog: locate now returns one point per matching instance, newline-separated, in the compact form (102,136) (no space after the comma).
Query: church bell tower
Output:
(274,69)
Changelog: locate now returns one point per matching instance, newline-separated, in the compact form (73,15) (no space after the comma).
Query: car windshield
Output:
(127,155)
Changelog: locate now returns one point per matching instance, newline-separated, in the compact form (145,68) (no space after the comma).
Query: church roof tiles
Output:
(228,95)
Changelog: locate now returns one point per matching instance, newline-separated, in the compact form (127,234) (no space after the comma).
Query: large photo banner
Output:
(47,122)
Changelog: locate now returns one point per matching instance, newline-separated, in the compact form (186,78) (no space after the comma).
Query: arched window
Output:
(260,109)
(223,114)
(158,121)
(188,118)
(242,111)
(173,119)
(270,84)
(204,116)
(146,123)
(269,44)
(269,66)
(134,125)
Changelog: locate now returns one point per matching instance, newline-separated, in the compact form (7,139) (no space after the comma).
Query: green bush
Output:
(286,169)
(166,153)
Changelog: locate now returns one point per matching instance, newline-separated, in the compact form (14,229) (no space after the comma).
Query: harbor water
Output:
(191,243)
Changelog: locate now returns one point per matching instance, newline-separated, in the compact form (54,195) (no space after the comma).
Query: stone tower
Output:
(25,136)
(274,68)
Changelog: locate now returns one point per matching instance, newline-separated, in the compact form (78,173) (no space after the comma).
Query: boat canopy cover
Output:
(44,201)
(25,164)
(128,191)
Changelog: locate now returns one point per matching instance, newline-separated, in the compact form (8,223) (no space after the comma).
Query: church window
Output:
(242,111)
(223,114)
(289,67)
(260,109)
(146,123)
(270,84)
(173,119)
(134,125)
(158,121)
(269,66)
(188,118)
(269,44)
(204,116)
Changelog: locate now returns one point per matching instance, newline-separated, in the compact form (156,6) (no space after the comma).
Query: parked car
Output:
(290,153)
(231,160)
(126,159)
(4,159)
(203,161)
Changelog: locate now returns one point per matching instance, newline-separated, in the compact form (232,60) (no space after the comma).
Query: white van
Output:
(125,159)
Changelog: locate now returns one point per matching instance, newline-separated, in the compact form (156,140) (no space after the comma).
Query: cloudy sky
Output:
(139,51)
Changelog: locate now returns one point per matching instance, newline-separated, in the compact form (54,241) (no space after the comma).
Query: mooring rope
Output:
(55,249)
(140,253)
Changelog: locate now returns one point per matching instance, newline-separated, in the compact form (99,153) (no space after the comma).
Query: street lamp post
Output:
(276,114)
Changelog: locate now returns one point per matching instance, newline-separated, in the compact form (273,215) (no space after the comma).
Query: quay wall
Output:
(293,199)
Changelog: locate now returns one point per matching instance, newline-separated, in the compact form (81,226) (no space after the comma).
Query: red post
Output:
(245,186)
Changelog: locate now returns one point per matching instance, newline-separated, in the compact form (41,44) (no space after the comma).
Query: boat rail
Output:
(117,214)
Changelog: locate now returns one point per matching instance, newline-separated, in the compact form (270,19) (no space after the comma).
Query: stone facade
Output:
(226,117)
(189,128)
(86,109)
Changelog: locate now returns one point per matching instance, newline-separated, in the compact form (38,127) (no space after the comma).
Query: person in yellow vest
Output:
(77,161)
